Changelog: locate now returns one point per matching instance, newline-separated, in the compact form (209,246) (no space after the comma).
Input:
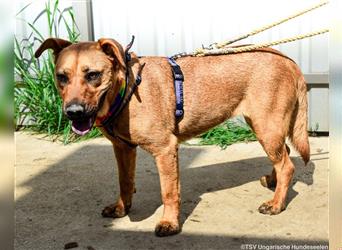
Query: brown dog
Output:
(266,87)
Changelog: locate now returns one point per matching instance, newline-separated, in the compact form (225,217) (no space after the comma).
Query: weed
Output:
(228,133)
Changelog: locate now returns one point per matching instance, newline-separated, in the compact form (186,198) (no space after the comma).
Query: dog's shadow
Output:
(205,179)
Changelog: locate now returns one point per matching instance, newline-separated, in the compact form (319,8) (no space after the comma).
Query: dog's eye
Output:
(63,79)
(92,76)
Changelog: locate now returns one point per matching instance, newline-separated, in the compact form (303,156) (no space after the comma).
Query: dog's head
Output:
(85,72)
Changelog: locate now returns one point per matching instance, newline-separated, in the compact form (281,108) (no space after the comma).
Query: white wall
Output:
(168,27)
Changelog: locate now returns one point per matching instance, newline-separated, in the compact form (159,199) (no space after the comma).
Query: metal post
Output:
(84,19)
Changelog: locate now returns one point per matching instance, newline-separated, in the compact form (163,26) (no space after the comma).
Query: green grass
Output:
(228,133)
(37,104)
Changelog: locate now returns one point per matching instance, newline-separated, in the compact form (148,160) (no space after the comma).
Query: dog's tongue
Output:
(81,127)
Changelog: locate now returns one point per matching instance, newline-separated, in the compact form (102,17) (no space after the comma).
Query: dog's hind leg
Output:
(284,169)
(126,160)
(270,181)
(272,138)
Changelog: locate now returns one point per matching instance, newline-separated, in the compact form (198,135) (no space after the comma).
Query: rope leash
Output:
(230,50)
(220,48)
(256,31)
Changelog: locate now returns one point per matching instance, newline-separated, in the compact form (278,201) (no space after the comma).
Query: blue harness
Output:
(178,84)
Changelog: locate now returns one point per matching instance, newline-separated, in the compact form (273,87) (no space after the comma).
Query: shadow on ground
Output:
(67,198)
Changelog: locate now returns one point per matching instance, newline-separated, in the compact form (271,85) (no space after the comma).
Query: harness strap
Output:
(178,84)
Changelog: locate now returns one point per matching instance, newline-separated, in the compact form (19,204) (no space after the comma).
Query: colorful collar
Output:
(116,104)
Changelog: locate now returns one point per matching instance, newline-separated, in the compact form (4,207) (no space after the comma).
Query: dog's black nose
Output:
(75,111)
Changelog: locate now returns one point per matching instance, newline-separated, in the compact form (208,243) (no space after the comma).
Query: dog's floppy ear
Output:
(56,44)
(114,50)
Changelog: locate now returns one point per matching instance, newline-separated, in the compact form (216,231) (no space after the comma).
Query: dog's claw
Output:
(269,208)
(165,228)
(114,211)
(265,208)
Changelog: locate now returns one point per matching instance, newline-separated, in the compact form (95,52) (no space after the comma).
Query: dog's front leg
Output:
(167,163)
(126,160)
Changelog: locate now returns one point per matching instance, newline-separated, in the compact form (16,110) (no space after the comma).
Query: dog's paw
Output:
(115,211)
(270,208)
(166,228)
(268,181)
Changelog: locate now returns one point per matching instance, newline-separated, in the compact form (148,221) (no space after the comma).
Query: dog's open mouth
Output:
(82,126)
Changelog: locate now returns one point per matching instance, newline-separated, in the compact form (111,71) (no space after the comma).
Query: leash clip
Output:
(138,80)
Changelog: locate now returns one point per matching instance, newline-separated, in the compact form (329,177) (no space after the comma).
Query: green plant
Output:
(227,133)
(38,106)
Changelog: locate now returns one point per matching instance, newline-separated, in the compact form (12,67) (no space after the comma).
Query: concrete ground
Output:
(61,190)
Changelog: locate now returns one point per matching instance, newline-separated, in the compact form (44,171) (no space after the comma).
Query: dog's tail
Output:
(298,133)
